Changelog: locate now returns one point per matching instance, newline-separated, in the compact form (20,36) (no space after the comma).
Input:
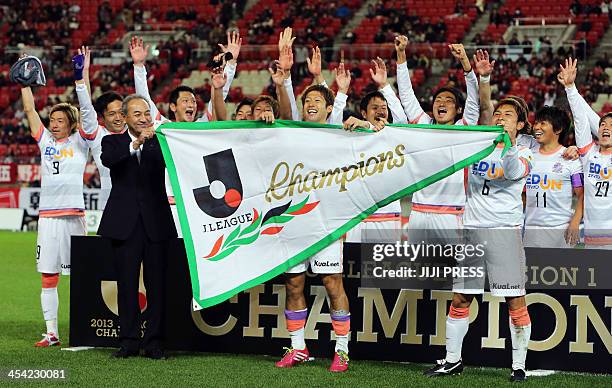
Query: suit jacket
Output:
(138,189)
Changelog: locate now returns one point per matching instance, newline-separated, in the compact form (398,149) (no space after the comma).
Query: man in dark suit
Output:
(138,221)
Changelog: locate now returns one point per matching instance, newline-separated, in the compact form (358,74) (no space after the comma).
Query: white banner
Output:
(255,200)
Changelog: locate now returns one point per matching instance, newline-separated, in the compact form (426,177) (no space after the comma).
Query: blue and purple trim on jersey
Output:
(577,180)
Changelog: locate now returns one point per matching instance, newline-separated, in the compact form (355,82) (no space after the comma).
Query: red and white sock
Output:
(457,324)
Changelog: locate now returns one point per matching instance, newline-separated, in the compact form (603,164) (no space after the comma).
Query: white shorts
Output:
(327,261)
(545,236)
(375,232)
(433,226)
(175,217)
(53,242)
(504,258)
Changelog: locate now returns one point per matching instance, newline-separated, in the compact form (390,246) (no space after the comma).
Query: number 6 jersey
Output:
(61,174)
(495,185)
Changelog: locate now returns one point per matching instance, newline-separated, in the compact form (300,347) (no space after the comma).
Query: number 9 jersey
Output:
(495,186)
(62,167)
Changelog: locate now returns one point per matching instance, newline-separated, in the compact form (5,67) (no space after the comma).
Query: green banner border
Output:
(327,240)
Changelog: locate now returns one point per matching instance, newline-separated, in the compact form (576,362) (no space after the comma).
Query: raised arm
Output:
(285,59)
(408,99)
(219,80)
(580,108)
(36,125)
(139,54)
(278,77)
(379,76)
(471,111)
(234,43)
(343,79)
(314,67)
(89,117)
(484,67)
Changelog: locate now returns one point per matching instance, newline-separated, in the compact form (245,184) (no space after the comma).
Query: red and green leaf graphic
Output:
(268,225)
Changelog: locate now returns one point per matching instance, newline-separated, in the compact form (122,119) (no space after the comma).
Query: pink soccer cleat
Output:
(49,339)
(340,363)
(292,358)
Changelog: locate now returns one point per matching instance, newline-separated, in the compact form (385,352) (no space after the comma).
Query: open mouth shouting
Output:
(190,115)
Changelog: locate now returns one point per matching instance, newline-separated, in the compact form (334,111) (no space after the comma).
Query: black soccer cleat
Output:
(445,368)
(518,376)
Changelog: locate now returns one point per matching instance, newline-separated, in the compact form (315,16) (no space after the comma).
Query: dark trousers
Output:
(128,255)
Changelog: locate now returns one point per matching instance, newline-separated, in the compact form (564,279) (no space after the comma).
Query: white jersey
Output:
(448,195)
(62,168)
(94,133)
(495,186)
(550,187)
(597,167)
(527,141)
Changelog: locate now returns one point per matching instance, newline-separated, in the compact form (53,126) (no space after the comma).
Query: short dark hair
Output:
(557,117)
(325,91)
(174,95)
(363,104)
(245,101)
(605,116)
(106,98)
(459,99)
(520,107)
(270,100)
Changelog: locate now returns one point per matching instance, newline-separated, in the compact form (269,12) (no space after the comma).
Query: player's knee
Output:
(462,300)
(294,285)
(333,285)
(516,302)
(50,280)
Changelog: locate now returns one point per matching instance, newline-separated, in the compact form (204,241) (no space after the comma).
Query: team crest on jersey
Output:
(557,168)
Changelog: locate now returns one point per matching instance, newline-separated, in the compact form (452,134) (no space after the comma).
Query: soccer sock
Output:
(295,324)
(457,324)
(341,322)
(520,332)
(49,302)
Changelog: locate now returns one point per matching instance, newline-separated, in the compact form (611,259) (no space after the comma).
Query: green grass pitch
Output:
(21,323)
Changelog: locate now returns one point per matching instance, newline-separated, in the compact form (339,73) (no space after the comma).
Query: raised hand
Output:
(458,52)
(314,64)
(234,43)
(567,75)
(278,76)
(285,59)
(401,41)
(219,78)
(484,66)
(343,78)
(285,39)
(379,74)
(84,50)
(138,51)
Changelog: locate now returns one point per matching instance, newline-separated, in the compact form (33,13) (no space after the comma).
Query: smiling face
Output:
(138,116)
(544,133)
(445,108)
(114,120)
(506,116)
(59,125)
(259,108)
(377,109)
(605,133)
(315,108)
(185,107)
